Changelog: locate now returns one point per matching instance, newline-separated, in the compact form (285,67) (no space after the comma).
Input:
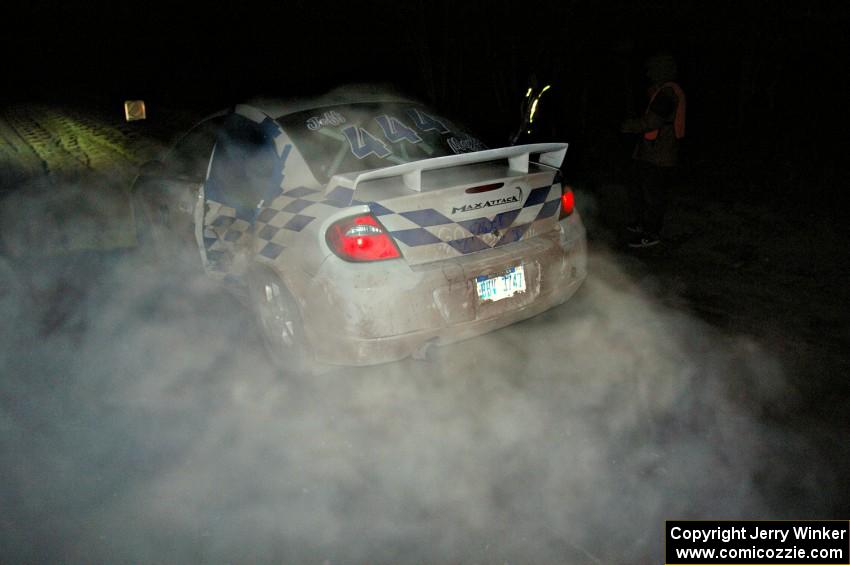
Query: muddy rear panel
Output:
(466,212)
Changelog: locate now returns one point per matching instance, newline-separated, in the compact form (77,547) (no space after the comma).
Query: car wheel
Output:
(279,321)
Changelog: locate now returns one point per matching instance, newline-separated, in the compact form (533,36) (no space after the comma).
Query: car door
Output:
(165,192)
(243,168)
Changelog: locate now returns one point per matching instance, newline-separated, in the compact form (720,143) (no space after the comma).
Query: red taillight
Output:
(568,202)
(361,238)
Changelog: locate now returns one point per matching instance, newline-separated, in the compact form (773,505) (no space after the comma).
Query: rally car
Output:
(364,230)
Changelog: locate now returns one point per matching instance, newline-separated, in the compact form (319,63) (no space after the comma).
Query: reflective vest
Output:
(679,120)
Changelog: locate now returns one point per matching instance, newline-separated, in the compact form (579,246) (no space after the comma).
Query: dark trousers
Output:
(648,196)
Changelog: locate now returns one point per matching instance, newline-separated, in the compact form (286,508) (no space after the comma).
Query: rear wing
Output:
(551,155)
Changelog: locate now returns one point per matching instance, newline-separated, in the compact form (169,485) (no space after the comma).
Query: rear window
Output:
(358,137)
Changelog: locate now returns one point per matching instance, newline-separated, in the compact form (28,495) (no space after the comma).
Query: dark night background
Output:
(750,283)
(766,81)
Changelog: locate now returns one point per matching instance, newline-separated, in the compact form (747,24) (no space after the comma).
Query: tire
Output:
(279,322)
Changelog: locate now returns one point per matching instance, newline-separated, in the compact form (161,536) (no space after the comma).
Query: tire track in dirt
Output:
(117,136)
(100,140)
(69,175)
(53,156)
(67,141)
(18,161)
(13,147)
(95,147)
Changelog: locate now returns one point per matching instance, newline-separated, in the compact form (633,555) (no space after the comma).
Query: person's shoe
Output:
(644,240)
(634,228)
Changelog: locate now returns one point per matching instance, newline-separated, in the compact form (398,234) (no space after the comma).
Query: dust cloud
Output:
(140,421)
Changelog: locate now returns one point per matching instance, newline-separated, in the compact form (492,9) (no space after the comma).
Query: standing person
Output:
(662,127)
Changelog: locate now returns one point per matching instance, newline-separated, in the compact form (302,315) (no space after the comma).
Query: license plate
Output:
(503,285)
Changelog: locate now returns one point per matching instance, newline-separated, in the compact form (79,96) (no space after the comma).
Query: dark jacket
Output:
(664,150)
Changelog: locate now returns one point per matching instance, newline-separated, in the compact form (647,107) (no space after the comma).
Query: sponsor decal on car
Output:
(332,118)
(488,203)
(467,144)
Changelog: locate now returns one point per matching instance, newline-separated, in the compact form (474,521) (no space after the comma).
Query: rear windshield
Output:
(358,137)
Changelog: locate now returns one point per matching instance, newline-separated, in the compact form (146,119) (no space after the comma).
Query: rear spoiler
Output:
(551,154)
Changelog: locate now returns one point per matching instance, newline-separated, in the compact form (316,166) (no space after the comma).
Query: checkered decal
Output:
(219,235)
(226,227)
(430,227)
(295,209)
(283,212)
(292,211)
(289,208)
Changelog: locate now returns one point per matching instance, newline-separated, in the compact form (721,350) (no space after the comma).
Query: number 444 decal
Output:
(363,143)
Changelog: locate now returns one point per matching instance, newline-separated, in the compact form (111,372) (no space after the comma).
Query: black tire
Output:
(279,321)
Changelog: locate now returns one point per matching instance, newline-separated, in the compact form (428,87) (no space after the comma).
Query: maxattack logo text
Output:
(486,204)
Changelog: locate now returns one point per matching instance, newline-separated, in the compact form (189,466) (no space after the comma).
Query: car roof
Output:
(279,107)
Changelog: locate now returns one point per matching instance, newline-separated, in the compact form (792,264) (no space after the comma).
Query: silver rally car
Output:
(365,230)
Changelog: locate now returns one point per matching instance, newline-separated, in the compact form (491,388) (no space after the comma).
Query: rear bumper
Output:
(356,314)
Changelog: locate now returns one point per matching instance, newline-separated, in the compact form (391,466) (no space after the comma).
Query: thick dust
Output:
(142,422)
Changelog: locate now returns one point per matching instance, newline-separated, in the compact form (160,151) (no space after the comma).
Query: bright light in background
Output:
(134,110)
(534,103)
